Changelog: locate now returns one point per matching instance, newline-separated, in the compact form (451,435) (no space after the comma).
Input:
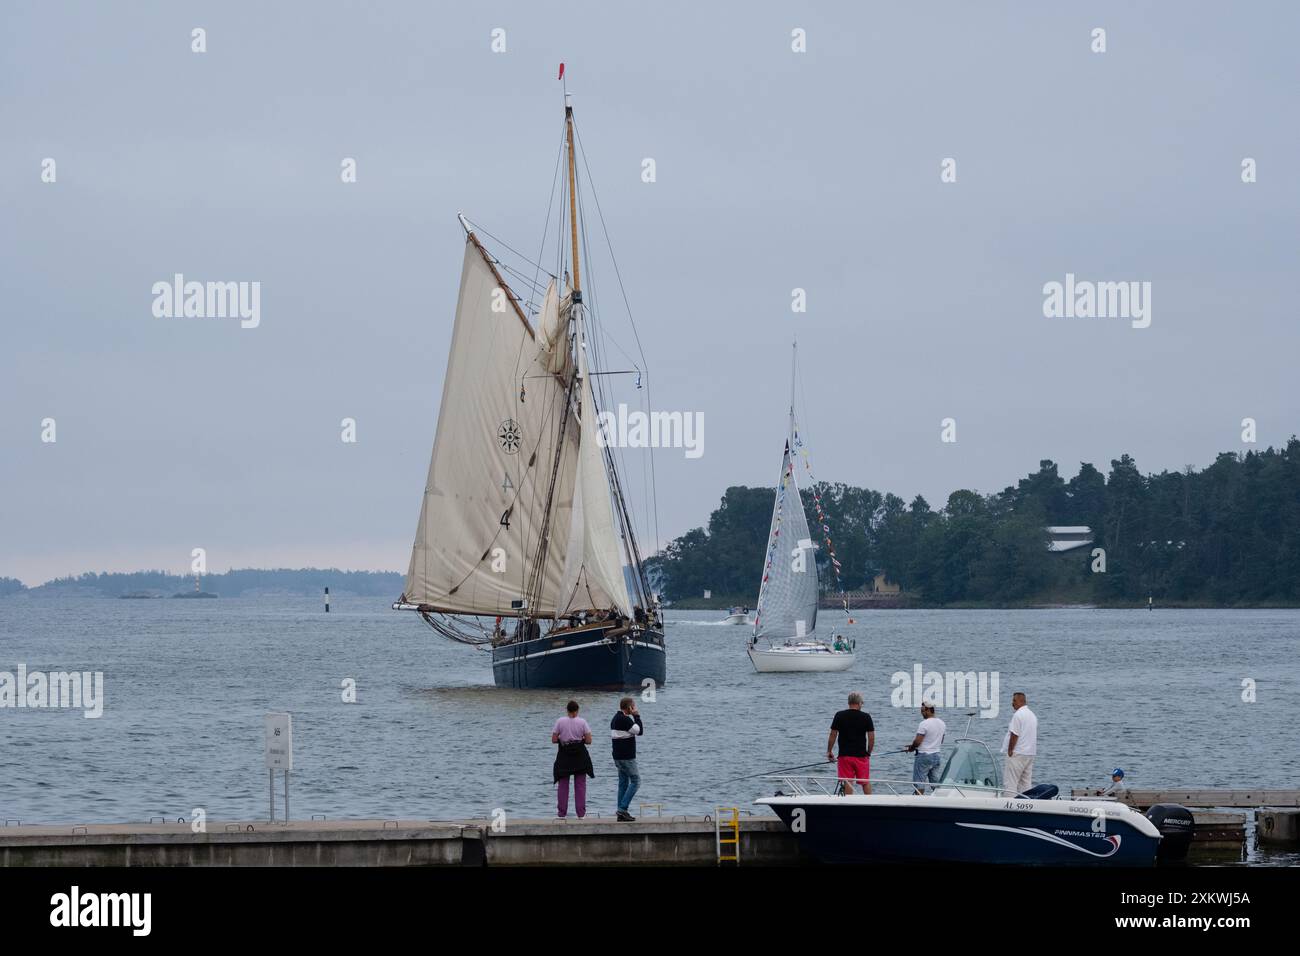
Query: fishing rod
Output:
(772,773)
(807,766)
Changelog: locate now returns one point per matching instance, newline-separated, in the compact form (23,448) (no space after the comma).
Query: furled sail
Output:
(787,599)
(552,332)
(486,498)
(594,568)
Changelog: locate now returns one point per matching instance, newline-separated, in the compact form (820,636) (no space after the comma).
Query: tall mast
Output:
(611,472)
(534,586)
(573,199)
(794,352)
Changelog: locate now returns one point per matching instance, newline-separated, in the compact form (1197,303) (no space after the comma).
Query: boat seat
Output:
(1044,791)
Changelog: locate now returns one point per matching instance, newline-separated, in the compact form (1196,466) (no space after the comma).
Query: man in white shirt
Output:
(1020,746)
(926,745)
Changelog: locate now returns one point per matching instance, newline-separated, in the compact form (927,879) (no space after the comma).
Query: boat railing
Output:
(809,785)
(813,645)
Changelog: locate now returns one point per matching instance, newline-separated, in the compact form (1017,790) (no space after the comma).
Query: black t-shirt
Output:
(853,725)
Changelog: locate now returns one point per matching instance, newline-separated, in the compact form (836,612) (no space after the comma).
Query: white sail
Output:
(573,558)
(485,500)
(552,332)
(596,579)
(787,599)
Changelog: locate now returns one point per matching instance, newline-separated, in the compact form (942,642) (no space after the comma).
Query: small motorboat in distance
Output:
(969,818)
(737,615)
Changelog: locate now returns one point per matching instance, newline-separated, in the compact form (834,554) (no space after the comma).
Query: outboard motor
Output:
(1175,824)
(1044,791)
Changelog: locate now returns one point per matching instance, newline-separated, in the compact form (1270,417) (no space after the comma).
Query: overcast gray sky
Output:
(775,170)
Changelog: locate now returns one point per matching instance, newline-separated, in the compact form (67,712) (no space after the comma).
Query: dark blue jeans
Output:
(628,781)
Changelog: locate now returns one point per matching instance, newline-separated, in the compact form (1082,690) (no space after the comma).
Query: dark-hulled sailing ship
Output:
(525,544)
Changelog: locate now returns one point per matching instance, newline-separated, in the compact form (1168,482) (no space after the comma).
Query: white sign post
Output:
(279,755)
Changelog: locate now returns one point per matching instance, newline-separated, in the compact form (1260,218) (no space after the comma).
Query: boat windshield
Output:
(972,765)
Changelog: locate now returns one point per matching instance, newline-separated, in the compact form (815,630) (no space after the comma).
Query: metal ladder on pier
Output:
(731,841)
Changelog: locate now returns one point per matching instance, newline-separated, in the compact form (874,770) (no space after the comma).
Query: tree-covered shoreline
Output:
(1225,536)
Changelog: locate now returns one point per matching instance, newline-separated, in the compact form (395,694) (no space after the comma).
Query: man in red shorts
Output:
(857,735)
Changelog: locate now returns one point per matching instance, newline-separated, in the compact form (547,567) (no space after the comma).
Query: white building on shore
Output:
(1068,537)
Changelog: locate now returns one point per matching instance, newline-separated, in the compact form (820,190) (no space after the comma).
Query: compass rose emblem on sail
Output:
(510,436)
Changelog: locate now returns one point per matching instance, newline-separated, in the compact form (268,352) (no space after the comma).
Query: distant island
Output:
(243,582)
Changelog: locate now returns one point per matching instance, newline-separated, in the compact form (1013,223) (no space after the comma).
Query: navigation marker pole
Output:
(327,600)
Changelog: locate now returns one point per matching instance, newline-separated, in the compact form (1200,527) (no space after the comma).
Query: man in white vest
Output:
(1020,746)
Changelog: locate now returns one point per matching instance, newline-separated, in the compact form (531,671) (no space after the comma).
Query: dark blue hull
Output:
(602,656)
(851,833)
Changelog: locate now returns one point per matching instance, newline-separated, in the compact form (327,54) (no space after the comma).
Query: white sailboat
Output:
(786,615)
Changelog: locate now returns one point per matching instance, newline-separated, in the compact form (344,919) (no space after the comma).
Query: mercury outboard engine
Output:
(1175,825)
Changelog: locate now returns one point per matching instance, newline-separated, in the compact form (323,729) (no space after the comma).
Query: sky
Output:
(775,170)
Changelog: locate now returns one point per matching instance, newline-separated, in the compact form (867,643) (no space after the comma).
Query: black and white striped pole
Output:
(327,600)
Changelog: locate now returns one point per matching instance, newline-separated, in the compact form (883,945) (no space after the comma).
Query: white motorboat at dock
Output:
(970,818)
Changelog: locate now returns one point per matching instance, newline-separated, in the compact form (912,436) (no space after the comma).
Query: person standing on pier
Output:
(1020,746)
(857,736)
(573,734)
(927,745)
(624,730)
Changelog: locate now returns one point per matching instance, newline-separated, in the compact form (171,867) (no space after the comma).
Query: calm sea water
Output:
(188,682)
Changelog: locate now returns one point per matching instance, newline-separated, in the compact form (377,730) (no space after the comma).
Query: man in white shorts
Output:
(1020,746)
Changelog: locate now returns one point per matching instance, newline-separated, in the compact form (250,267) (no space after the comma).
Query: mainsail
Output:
(598,571)
(504,461)
(787,599)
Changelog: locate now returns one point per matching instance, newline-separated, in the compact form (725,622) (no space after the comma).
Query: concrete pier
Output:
(675,841)
(653,841)
(1277,813)
(1278,825)
(1205,797)
(1218,830)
